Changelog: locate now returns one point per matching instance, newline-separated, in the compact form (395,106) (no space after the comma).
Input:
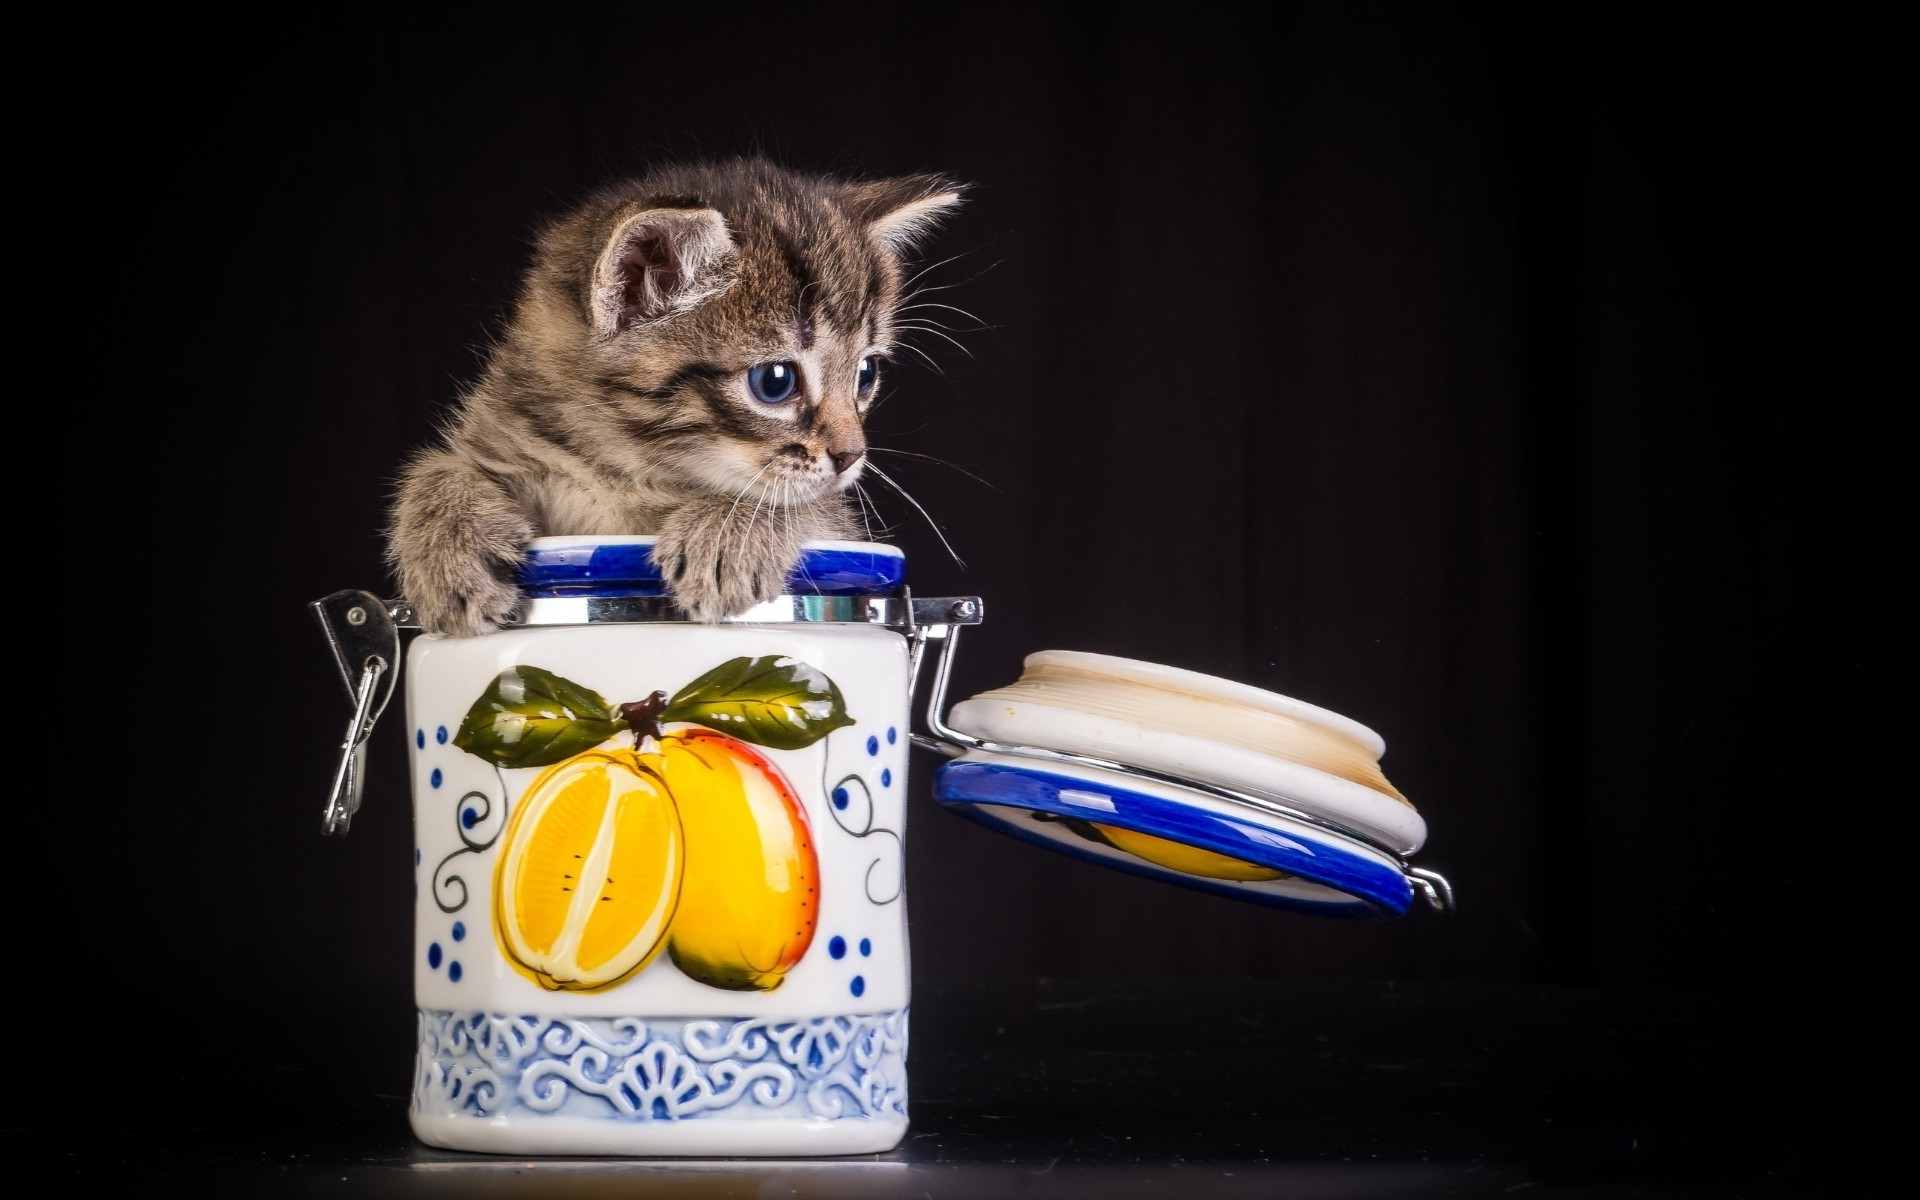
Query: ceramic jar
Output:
(660,904)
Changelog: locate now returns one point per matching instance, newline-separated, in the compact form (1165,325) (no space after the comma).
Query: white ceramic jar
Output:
(660,904)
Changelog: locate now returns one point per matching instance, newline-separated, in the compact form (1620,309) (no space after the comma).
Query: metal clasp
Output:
(365,640)
(934,620)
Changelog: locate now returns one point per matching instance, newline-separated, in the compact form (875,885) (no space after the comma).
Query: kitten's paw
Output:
(465,583)
(714,574)
(482,607)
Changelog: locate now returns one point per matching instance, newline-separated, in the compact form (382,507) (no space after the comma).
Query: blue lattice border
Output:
(630,1069)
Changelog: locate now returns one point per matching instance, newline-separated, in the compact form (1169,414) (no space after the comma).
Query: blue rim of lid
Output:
(624,566)
(1327,875)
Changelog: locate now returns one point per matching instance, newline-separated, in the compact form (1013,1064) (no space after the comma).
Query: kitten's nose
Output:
(842,459)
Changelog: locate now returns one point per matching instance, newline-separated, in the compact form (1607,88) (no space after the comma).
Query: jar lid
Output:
(1191,779)
(614,566)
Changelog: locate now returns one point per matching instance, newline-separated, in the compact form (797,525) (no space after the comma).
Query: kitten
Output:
(692,355)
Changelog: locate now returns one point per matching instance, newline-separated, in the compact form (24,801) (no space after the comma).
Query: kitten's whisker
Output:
(924,357)
(870,513)
(770,505)
(916,293)
(937,531)
(745,527)
(753,514)
(937,331)
(741,494)
(930,458)
(909,292)
(930,323)
(978,323)
(930,267)
(918,328)
(863,506)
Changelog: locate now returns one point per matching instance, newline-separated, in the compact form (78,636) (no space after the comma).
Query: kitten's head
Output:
(728,322)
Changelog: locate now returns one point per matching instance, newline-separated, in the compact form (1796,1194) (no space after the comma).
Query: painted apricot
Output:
(750,894)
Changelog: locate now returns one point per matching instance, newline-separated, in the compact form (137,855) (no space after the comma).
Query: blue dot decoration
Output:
(416,856)
(840,797)
(893,735)
(440,735)
(886,777)
(433,956)
(866,947)
(460,933)
(873,745)
(436,778)
(469,818)
(454,972)
(419,739)
(837,947)
(859,985)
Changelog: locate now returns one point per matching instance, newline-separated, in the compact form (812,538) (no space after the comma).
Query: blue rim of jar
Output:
(1007,798)
(606,567)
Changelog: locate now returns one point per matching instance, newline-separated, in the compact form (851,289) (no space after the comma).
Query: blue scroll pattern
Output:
(629,1069)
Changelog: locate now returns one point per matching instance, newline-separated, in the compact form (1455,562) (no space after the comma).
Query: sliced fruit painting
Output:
(589,872)
(687,840)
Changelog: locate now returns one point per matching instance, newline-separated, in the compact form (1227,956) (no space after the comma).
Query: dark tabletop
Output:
(1073,1087)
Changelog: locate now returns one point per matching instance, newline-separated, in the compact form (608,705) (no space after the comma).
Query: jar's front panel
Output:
(744,864)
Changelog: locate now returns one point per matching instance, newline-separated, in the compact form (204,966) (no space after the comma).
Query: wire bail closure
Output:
(365,639)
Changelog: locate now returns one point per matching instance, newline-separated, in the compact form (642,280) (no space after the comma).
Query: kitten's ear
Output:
(658,262)
(897,213)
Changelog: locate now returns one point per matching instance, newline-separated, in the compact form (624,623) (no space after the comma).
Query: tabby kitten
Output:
(692,355)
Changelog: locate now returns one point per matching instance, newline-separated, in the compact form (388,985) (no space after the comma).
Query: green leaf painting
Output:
(530,717)
(769,701)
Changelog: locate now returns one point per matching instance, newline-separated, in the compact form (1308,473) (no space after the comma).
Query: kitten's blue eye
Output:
(773,383)
(867,373)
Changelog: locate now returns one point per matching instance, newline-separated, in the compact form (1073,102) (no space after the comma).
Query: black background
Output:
(1464,369)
